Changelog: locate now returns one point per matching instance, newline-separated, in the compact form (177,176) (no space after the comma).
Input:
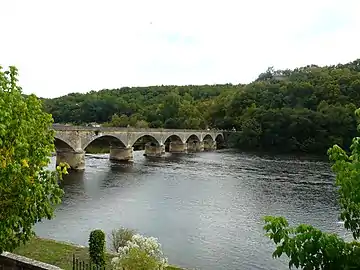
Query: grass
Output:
(58,253)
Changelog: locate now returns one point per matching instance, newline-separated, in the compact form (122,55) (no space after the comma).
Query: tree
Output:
(119,237)
(142,124)
(310,248)
(97,247)
(118,121)
(28,192)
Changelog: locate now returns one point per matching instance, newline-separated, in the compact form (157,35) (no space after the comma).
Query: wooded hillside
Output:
(307,109)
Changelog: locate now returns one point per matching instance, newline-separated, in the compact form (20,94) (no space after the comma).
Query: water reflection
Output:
(205,208)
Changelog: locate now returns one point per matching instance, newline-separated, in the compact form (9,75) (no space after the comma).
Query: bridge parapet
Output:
(131,129)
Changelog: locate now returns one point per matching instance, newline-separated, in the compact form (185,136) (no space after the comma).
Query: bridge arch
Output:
(104,138)
(61,143)
(208,137)
(145,138)
(194,137)
(220,141)
(219,136)
(173,137)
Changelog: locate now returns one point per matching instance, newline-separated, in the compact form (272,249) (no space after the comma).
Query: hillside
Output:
(306,109)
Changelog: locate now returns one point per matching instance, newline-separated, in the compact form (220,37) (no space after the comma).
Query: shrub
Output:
(97,247)
(120,237)
(140,253)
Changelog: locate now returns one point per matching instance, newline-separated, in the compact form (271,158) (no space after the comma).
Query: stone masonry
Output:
(71,142)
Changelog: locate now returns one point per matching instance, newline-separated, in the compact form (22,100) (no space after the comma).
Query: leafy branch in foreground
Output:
(28,192)
(309,248)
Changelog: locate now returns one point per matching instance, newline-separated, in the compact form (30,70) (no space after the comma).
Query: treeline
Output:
(306,109)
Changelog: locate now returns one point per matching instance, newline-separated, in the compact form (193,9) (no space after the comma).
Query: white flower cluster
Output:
(140,244)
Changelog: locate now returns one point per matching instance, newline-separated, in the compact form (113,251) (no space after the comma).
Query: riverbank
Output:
(96,149)
(59,253)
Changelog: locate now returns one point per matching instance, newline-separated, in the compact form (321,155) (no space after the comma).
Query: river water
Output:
(205,208)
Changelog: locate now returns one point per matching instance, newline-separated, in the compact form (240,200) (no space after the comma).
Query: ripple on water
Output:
(205,208)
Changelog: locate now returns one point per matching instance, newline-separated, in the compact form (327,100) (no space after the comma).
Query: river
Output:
(205,208)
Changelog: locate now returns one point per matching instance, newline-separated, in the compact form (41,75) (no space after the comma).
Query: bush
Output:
(97,247)
(140,253)
(120,237)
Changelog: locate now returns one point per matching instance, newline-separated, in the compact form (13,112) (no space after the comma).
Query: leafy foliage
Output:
(120,237)
(140,253)
(310,248)
(28,192)
(97,247)
(307,109)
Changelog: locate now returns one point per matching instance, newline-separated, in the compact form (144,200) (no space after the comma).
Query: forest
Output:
(307,109)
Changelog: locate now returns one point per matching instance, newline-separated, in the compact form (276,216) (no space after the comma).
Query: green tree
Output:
(118,121)
(28,192)
(309,248)
(120,237)
(142,124)
(97,247)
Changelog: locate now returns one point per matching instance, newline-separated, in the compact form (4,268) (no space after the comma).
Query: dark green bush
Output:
(97,247)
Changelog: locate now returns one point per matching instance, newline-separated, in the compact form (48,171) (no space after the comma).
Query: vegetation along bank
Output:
(60,253)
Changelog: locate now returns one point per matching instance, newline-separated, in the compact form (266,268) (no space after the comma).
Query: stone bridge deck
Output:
(71,142)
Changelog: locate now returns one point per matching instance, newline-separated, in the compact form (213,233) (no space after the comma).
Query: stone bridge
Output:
(71,142)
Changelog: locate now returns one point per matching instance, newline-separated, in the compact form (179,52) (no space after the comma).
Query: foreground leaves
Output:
(28,192)
(310,248)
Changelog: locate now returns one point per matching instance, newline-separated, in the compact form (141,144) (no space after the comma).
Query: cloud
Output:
(78,46)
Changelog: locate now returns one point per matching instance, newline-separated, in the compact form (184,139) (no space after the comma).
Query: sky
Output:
(68,46)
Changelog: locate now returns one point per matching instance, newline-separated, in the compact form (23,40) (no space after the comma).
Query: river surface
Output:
(205,208)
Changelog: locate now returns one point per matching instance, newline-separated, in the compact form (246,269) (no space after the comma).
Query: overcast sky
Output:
(81,45)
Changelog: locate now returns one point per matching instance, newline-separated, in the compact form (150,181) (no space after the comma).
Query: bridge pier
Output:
(154,150)
(209,145)
(177,147)
(195,146)
(121,153)
(75,159)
